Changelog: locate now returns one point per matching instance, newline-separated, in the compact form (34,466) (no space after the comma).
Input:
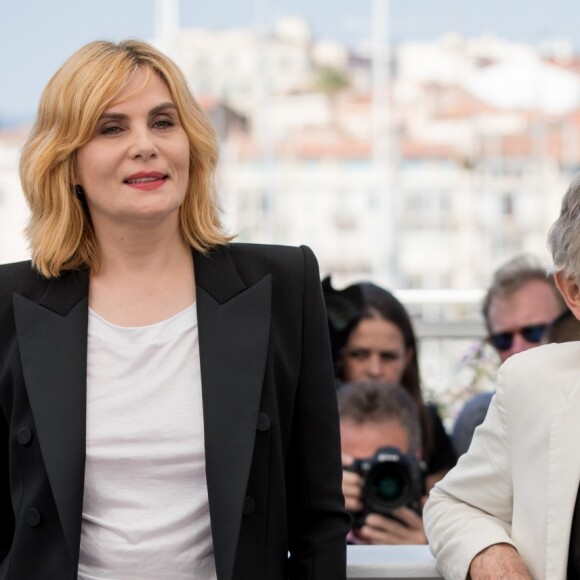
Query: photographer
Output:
(373,417)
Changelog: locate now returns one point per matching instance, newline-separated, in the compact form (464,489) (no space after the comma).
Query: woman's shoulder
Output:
(436,421)
(227,270)
(20,278)
(270,257)
(432,411)
(24,266)
(267,251)
(443,455)
(14,275)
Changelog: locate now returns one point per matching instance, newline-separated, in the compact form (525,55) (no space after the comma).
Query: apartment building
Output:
(474,168)
(13,210)
(478,142)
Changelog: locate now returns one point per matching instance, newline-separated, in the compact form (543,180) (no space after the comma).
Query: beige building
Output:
(13,209)
(470,172)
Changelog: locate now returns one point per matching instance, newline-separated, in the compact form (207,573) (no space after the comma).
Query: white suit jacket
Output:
(519,480)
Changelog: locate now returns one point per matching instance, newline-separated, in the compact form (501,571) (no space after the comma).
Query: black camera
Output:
(391,479)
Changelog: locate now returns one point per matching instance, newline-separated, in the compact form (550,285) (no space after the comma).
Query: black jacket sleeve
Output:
(318,522)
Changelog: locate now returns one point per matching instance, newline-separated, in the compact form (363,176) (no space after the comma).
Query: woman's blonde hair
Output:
(60,232)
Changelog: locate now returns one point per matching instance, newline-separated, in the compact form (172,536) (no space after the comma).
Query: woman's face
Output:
(375,351)
(135,167)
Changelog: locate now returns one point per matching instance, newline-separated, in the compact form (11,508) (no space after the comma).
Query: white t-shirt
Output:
(145,509)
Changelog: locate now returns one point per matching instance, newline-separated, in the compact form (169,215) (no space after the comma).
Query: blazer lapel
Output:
(234,327)
(52,337)
(563,479)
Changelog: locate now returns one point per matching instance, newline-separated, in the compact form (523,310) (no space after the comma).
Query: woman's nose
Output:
(374,367)
(142,144)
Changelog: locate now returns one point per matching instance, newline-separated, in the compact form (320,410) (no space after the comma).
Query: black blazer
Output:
(271,427)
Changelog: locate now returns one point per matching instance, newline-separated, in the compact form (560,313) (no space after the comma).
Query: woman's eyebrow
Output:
(110,116)
(162,108)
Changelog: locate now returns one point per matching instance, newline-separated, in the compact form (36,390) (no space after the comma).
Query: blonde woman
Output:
(167,399)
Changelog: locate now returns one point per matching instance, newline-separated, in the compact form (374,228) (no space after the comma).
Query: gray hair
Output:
(564,235)
(376,402)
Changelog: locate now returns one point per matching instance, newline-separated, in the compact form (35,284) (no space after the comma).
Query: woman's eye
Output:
(389,356)
(110,130)
(358,354)
(163,124)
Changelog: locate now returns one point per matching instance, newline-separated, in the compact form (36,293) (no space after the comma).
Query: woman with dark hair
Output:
(373,340)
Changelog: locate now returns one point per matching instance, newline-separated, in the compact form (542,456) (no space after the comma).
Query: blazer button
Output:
(263,422)
(24,436)
(249,506)
(32,517)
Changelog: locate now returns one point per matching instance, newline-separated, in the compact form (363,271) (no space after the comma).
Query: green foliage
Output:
(331,80)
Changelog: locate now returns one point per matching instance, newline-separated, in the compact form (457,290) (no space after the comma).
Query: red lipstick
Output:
(146,180)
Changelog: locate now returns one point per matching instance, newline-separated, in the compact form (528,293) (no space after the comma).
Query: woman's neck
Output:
(144,278)
(138,246)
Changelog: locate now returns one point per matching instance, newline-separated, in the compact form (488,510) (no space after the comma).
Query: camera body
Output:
(391,479)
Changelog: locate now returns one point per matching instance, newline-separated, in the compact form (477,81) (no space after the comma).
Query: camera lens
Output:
(391,479)
(387,487)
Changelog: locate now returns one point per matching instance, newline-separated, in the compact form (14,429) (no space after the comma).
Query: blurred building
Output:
(13,210)
(483,143)
(483,140)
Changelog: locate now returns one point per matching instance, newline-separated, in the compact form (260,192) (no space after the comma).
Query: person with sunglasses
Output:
(518,308)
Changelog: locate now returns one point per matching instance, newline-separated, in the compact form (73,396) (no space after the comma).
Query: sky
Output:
(38,35)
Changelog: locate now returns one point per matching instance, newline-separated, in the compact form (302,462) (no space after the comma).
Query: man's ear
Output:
(570,292)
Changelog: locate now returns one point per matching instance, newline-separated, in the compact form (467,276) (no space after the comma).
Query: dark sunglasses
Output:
(504,340)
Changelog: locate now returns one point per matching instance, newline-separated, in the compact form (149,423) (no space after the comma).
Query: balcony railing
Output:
(392,562)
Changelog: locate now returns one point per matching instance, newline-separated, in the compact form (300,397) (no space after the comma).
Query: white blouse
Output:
(145,509)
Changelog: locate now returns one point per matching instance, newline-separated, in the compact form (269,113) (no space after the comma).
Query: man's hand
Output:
(351,486)
(498,562)
(378,529)
(381,530)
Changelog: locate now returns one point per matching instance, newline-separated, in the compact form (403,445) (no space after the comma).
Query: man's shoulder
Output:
(471,416)
(477,402)
(539,377)
(553,358)
(475,409)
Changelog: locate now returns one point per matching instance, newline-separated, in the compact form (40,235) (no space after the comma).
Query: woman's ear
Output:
(570,291)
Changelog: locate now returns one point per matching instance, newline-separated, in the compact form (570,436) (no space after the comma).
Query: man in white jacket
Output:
(509,509)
